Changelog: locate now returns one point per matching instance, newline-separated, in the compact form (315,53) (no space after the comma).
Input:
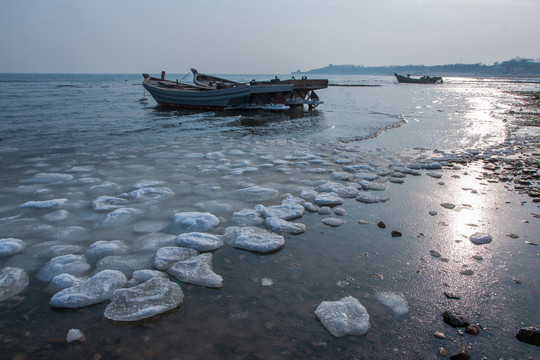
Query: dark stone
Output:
(381,225)
(472,330)
(462,354)
(451,295)
(455,319)
(529,335)
(396,233)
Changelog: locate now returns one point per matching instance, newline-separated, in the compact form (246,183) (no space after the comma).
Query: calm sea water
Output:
(91,134)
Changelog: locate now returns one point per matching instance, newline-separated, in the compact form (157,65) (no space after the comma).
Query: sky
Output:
(260,36)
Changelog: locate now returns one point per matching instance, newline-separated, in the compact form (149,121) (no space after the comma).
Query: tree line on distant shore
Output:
(513,67)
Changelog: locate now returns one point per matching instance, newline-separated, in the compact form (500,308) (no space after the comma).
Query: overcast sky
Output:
(260,36)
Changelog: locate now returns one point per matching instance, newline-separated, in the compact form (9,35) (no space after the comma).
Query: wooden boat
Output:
(421,80)
(303,93)
(186,96)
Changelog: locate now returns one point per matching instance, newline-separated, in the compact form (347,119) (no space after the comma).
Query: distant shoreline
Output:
(511,68)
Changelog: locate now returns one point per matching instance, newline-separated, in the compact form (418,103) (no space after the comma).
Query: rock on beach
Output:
(480,238)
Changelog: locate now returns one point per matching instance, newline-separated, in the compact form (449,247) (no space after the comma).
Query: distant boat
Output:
(303,93)
(421,80)
(240,96)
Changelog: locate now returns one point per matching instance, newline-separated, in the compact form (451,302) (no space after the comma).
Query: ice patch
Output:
(257,193)
(108,203)
(63,281)
(285,211)
(247,218)
(141,276)
(199,241)
(103,248)
(70,264)
(346,316)
(149,194)
(119,216)
(328,199)
(12,281)
(282,226)
(371,185)
(252,238)
(46,204)
(370,198)
(126,263)
(147,183)
(57,216)
(197,270)
(10,246)
(395,302)
(169,255)
(92,291)
(148,299)
(152,242)
(48,178)
(193,222)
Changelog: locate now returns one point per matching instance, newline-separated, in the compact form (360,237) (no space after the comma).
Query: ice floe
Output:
(57,215)
(108,203)
(11,246)
(151,194)
(247,218)
(45,204)
(92,291)
(141,276)
(49,178)
(369,198)
(395,302)
(127,263)
(193,222)
(328,198)
(103,248)
(70,264)
(257,193)
(346,316)
(286,211)
(150,298)
(199,241)
(12,281)
(283,226)
(63,281)
(120,216)
(169,255)
(197,270)
(252,238)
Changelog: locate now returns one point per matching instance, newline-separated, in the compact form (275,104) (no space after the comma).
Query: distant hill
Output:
(513,67)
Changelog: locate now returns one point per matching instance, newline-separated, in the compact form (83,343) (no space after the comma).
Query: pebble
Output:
(462,354)
(530,335)
(480,238)
(472,330)
(396,233)
(448,205)
(441,352)
(381,225)
(435,253)
(455,319)
(451,295)
(466,272)
(439,335)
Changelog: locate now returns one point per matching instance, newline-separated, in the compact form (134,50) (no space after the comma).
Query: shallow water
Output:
(93,129)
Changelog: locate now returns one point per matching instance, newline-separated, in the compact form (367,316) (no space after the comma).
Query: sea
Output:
(68,140)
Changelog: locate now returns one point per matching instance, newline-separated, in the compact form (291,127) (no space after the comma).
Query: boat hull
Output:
(423,80)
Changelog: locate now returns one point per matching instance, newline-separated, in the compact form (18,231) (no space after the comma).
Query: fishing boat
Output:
(244,96)
(303,93)
(421,80)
